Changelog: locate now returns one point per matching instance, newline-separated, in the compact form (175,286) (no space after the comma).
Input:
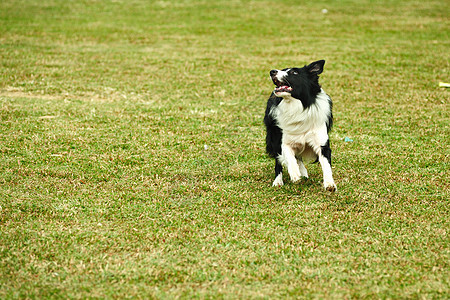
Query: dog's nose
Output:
(273,72)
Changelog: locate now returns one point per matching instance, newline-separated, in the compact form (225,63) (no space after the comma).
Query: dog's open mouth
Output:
(281,86)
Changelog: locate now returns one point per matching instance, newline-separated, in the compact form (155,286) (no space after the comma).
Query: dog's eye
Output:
(294,72)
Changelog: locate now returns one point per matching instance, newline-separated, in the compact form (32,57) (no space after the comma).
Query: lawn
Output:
(132,159)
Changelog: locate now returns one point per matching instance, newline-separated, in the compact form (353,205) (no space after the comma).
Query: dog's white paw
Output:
(278,180)
(330,186)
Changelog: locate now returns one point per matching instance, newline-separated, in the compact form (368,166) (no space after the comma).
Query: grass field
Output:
(132,159)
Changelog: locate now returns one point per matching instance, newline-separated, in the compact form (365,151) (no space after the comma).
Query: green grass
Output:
(107,188)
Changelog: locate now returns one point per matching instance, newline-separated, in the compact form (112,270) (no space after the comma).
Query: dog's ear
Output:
(316,67)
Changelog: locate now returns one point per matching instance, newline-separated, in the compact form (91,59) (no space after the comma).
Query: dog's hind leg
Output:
(325,163)
(278,174)
(301,165)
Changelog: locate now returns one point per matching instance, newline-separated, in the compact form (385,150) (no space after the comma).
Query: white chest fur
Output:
(303,128)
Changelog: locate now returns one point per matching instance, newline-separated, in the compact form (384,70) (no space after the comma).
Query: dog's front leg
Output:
(290,161)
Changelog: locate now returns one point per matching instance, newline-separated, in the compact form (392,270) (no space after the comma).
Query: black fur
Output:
(326,151)
(274,133)
(305,84)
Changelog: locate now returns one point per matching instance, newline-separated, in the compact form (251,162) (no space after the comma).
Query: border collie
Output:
(298,118)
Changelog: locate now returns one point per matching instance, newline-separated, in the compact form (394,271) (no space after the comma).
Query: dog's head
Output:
(299,83)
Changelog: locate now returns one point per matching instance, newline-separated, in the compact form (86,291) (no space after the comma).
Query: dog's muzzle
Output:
(280,84)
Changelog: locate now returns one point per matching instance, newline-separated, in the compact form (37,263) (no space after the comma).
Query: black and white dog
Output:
(298,118)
